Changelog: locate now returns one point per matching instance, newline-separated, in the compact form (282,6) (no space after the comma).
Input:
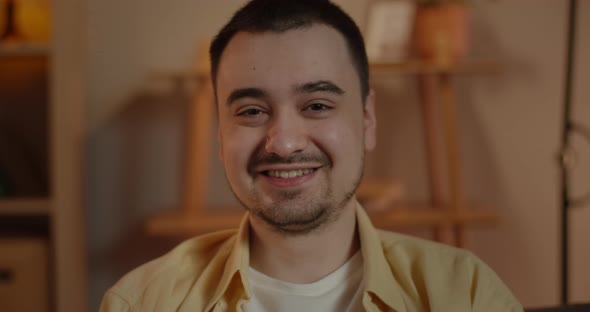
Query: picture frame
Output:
(388,31)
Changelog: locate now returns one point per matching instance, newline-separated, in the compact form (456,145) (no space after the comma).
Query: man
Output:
(296,117)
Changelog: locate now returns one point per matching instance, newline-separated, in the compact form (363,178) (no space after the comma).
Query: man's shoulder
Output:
(440,271)
(417,248)
(177,269)
(428,261)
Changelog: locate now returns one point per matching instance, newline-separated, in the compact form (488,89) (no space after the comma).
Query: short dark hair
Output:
(282,15)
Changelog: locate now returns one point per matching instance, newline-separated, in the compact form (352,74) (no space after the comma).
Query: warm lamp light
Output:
(24,21)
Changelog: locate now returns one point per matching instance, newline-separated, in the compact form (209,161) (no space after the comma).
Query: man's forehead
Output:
(317,50)
(299,30)
(309,38)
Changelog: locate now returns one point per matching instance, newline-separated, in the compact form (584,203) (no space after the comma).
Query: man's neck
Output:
(304,258)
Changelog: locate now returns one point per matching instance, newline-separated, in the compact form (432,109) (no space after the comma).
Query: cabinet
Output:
(24,280)
(41,162)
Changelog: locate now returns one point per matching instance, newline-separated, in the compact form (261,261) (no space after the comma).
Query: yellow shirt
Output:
(402,273)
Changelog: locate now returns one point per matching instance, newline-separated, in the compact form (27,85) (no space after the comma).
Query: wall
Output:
(518,122)
(511,122)
(520,116)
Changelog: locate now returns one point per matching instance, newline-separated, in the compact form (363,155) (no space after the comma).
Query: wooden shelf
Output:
(401,67)
(180,225)
(420,67)
(375,194)
(416,215)
(23,49)
(25,207)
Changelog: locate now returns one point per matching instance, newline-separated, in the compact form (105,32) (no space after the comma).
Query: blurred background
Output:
(106,147)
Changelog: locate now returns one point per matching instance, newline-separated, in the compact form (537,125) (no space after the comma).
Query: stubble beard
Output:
(292,214)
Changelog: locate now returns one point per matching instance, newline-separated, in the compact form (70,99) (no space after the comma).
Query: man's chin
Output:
(290,222)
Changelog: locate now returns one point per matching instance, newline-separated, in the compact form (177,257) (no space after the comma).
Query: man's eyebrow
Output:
(245,92)
(320,86)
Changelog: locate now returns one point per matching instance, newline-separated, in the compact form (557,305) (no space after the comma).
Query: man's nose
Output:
(287,135)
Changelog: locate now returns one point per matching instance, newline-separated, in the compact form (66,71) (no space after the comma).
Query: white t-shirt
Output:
(340,291)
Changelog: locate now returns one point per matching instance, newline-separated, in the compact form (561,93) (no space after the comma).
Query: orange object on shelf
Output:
(441,32)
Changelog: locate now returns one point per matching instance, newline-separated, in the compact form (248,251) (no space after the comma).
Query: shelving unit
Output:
(43,89)
(25,207)
(403,216)
(24,166)
(448,217)
(24,49)
(442,144)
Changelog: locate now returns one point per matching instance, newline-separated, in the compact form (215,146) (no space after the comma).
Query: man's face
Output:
(293,127)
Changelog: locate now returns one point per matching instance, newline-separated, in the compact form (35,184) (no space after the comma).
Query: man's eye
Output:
(250,112)
(318,107)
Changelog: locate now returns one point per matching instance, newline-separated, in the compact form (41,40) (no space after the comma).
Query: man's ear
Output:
(370,121)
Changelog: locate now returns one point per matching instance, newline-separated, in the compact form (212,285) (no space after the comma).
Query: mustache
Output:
(262,158)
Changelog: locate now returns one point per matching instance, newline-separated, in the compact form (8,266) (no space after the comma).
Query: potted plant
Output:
(441,31)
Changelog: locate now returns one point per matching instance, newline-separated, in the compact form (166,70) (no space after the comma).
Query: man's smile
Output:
(285,174)
(286,178)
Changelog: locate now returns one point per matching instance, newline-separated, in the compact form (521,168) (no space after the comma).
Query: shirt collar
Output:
(238,262)
(379,279)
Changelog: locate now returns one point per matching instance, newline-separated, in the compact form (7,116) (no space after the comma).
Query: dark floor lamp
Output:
(10,31)
(570,128)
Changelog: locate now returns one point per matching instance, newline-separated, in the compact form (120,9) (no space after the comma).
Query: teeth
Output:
(289,174)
